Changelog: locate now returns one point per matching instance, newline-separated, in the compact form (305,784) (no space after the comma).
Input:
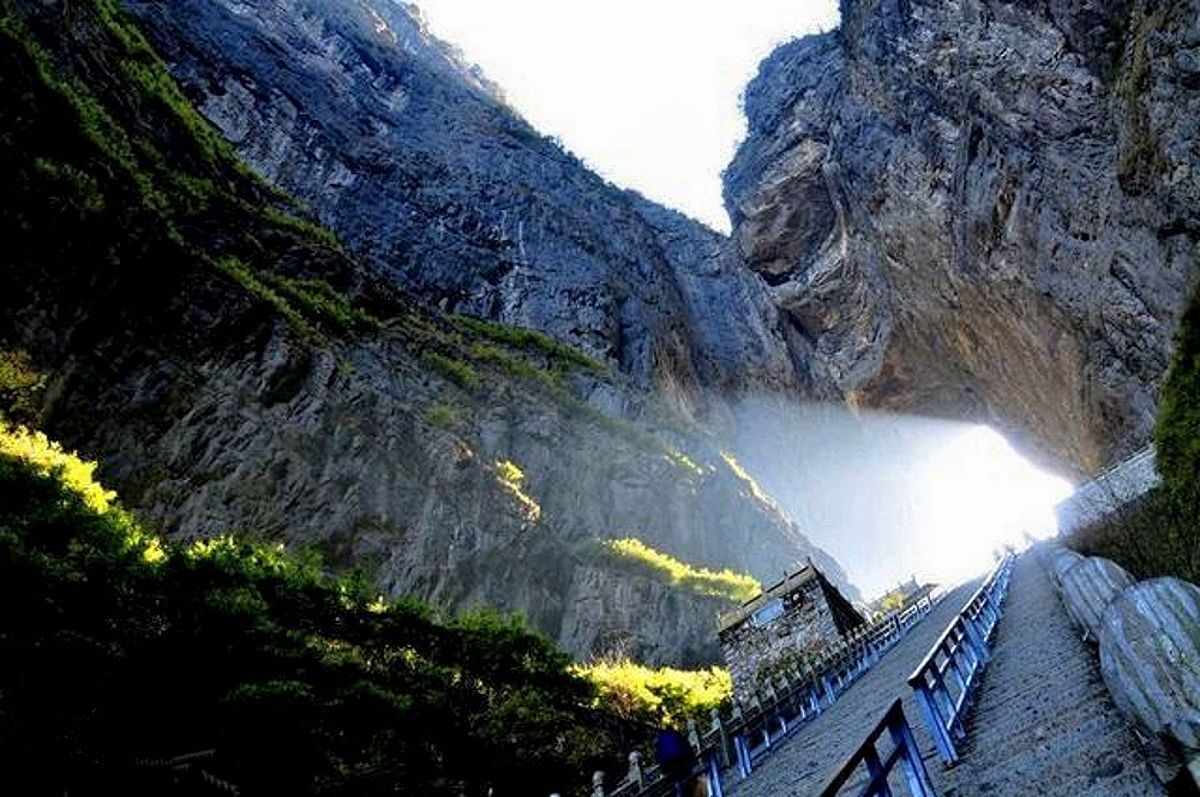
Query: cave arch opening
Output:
(895,496)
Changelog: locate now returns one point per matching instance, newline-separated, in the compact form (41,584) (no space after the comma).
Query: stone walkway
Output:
(802,764)
(1043,723)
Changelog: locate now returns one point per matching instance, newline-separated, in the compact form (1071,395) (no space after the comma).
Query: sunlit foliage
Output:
(512,478)
(751,485)
(121,651)
(659,696)
(728,584)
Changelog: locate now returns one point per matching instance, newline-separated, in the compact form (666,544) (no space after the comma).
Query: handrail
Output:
(945,679)
(905,752)
(789,701)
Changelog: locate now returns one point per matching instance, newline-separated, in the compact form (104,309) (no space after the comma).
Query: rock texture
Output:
(420,166)
(235,372)
(1150,657)
(982,210)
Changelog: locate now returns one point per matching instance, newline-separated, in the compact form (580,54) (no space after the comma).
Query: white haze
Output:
(645,91)
(894,496)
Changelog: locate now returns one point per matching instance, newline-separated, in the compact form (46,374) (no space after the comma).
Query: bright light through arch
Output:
(975,495)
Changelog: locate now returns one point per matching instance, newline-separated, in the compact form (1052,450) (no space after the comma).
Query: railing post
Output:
(941,737)
(713,768)
(693,735)
(915,773)
(635,769)
(978,645)
(876,773)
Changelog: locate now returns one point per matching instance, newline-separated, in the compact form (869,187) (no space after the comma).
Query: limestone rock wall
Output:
(423,169)
(981,209)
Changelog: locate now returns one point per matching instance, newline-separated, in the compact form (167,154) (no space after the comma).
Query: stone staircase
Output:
(1042,722)
(805,760)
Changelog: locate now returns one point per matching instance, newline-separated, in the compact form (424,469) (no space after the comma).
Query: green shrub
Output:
(443,415)
(322,304)
(661,696)
(733,586)
(529,339)
(1155,536)
(121,651)
(455,370)
(1177,435)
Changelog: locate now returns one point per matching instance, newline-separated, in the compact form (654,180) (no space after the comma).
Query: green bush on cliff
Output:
(125,657)
(1178,433)
(632,552)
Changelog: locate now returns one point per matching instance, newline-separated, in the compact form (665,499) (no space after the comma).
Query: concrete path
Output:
(1043,723)
(802,763)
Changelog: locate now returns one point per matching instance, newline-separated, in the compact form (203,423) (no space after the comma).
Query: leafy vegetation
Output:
(1177,435)
(443,415)
(727,584)
(512,478)
(1160,533)
(123,653)
(660,696)
(456,370)
(529,339)
(101,138)
(744,475)
(20,383)
(321,303)
(1141,155)
(1157,535)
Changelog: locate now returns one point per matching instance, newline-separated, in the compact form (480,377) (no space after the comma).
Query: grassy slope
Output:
(122,650)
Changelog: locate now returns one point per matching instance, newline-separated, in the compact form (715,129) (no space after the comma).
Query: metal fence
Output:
(905,753)
(736,740)
(945,681)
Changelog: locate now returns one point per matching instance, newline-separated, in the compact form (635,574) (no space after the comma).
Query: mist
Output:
(895,496)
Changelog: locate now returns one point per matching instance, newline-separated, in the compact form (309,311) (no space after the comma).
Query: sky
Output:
(646,92)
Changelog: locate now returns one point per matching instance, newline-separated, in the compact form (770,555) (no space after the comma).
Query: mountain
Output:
(982,210)
(237,367)
(424,170)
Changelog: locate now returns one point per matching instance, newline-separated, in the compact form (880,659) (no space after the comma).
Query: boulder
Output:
(1150,659)
(1089,586)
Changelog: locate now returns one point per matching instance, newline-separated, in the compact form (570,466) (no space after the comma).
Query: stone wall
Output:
(806,626)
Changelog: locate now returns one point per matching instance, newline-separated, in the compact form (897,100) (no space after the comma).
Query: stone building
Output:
(801,615)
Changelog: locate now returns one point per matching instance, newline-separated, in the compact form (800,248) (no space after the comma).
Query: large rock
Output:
(982,210)
(1089,587)
(463,465)
(1150,658)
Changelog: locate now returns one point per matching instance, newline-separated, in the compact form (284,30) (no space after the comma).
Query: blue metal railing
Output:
(736,742)
(945,681)
(760,729)
(904,752)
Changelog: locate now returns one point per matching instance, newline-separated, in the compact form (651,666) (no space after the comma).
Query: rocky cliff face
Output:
(236,370)
(423,170)
(983,210)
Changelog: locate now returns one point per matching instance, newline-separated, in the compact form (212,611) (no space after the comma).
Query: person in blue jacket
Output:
(677,760)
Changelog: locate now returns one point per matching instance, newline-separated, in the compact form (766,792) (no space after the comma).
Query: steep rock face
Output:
(982,210)
(236,371)
(420,166)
